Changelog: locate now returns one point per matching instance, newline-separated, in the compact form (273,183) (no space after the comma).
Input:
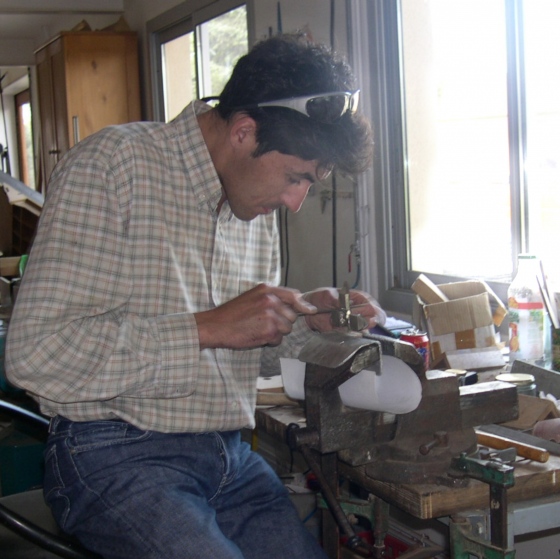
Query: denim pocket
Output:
(95,435)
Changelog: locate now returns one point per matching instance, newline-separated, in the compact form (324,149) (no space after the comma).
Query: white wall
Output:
(312,15)
(20,52)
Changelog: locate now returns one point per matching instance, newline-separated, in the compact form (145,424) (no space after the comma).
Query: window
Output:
(467,123)
(179,74)
(25,138)
(194,53)
(542,88)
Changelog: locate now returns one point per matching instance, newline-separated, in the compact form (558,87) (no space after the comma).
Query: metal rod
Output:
(328,493)
(325,311)
(498,516)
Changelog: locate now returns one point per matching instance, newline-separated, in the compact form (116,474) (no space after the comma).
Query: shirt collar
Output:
(199,166)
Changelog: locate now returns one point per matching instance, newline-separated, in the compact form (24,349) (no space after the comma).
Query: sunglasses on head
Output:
(323,107)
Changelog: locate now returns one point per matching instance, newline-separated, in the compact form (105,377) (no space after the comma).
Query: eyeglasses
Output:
(323,107)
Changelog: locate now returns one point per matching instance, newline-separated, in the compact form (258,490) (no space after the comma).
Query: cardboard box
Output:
(9,265)
(428,291)
(462,327)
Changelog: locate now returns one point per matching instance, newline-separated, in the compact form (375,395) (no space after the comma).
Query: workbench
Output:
(536,488)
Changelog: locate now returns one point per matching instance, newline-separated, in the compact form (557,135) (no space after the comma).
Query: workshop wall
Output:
(318,242)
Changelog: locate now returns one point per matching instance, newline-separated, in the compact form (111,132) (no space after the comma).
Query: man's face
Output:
(260,185)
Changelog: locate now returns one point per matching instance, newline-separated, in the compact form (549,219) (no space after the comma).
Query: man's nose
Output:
(294,197)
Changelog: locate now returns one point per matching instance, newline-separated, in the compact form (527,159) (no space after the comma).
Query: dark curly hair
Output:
(286,66)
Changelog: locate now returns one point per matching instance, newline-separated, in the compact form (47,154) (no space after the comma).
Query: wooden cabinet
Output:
(86,81)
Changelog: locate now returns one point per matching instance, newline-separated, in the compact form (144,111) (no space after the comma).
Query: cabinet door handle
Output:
(76,128)
(54,151)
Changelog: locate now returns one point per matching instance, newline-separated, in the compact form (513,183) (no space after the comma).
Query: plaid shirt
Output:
(129,246)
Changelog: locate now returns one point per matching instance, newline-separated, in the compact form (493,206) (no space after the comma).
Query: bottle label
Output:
(529,332)
(527,306)
(526,333)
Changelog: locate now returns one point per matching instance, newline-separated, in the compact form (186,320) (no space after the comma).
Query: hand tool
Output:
(342,316)
(522,437)
(334,309)
(523,449)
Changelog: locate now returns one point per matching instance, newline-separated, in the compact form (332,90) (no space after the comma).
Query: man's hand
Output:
(327,298)
(261,316)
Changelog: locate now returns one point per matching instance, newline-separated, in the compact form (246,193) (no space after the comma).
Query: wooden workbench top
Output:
(532,479)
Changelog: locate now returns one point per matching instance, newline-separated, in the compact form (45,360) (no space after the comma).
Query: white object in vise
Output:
(396,389)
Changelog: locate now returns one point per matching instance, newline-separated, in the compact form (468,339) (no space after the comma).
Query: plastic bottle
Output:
(529,328)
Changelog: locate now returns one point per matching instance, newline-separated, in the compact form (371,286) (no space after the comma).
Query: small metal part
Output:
(325,311)
(343,317)
(357,323)
(441,438)
(507,455)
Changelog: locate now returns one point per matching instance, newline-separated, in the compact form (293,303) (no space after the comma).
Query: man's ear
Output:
(243,132)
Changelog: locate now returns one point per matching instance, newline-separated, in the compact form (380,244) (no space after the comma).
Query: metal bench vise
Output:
(413,448)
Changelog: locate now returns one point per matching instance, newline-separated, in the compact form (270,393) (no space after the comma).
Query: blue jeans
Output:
(127,493)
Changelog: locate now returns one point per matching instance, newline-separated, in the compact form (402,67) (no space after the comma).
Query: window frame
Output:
(391,256)
(178,21)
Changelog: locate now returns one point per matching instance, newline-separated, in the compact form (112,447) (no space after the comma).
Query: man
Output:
(150,297)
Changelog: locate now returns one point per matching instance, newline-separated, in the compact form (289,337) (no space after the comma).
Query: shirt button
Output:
(234,405)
